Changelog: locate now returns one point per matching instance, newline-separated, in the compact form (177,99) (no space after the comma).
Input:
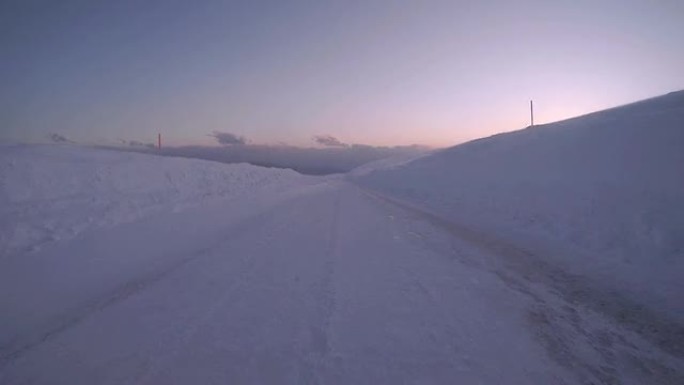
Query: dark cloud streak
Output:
(57,138)
(227,138)
(328,141)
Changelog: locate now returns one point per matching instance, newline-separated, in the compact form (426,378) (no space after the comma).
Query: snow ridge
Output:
(600,194)
(54,192)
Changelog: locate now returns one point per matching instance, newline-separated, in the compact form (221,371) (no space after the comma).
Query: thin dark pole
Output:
(159,140)
(531,114)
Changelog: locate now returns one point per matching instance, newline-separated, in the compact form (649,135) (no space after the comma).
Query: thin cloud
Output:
(328,141)
(227,138)
(57,138)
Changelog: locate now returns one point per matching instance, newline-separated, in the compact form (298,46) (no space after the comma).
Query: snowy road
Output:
(331,286)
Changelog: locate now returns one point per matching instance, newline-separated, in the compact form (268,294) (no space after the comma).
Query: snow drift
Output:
(602,194)
(52,192)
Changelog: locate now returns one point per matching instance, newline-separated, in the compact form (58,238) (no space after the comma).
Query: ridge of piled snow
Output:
(602,194)
(53,192)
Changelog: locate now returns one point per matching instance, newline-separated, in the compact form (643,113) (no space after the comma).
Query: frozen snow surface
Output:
(601,194)
(545,256)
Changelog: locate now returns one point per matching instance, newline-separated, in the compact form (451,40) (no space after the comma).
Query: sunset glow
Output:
(383,72)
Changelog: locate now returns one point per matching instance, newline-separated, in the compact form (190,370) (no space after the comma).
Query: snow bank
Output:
(52,192)
(602,193)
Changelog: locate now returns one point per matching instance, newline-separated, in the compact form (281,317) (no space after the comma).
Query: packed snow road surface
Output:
(333,285)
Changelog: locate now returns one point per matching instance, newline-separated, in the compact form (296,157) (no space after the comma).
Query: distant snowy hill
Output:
(385,163)
(52,192)
(602,194)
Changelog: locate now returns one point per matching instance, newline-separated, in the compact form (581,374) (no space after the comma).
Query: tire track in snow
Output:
(666,334)
(248,276)
(253,265)
(154,367)
(314,357)
(19,346)
(76,317)
(419,284)
(560,328)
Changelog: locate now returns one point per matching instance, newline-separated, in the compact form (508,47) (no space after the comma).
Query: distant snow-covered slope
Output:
(601,193)
(385,163)
(52,192)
